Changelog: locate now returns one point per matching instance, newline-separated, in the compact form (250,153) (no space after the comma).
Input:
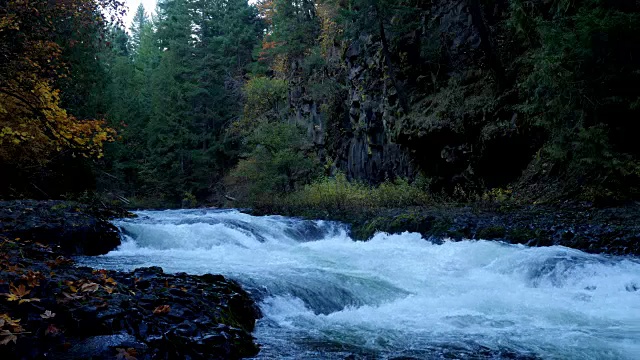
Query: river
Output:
(325,296)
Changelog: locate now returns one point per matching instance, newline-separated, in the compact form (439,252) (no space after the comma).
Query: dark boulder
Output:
(614,231)
(70,312)
(69,226)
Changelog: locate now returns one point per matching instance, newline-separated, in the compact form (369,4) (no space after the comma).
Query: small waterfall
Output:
(326,296)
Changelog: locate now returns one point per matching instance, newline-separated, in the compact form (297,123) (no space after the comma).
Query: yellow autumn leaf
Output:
(28,300)
(17,292)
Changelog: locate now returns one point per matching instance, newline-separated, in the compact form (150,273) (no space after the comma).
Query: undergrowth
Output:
(338,194)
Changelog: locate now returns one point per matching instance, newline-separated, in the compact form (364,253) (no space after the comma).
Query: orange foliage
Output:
(268,45)
(266,8)
(265,54)
(33,125)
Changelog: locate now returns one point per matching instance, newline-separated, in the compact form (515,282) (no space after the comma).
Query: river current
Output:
(325,296)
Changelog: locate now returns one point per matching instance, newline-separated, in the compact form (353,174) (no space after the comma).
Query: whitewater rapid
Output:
(325,296)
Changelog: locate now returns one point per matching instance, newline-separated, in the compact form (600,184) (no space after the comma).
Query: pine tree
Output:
(140,21)
(296,26)
(178,93)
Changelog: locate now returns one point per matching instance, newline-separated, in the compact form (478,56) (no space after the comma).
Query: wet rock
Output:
(148,272)
(68,226)
(102,347)
(78,313)
(614,231)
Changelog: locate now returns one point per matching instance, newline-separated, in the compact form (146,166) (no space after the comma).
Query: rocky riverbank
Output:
(50,308)
(69,227)
(614,230)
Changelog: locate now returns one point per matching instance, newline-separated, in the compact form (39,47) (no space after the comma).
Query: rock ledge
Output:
(50,308)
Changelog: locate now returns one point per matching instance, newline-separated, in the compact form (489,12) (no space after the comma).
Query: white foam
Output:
(398,294)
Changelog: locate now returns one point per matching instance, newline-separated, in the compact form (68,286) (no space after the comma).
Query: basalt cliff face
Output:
(437,116)
(469,94)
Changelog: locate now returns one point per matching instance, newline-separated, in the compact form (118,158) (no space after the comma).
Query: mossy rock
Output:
(366,230)
(456,234)
(491,232)
(522,235)
(440,226)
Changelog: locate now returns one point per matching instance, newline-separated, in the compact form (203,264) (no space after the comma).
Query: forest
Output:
(363,103)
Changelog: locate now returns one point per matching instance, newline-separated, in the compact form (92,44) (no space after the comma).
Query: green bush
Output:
(265,100)
(279,163)
(576,89)
(339,194)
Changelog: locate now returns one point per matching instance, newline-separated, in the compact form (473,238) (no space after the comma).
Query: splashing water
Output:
(325,296)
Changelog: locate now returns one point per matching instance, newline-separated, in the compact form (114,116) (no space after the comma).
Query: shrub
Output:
(279,163)
(338,194)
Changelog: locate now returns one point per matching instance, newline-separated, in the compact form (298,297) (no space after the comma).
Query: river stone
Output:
(102,347)
(67,225)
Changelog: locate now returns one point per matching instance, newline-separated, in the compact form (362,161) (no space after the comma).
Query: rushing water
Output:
(325,296)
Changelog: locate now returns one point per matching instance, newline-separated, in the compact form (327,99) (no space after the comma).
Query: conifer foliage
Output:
(263,97)
(176,86)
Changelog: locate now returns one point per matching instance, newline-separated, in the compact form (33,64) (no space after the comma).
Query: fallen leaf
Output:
(89,287)
(162,309)
(5,320)
(128,354)
(51,330)
(102,305)
(28,300)
(69,297)
(6,337)
(48,314)
(12,268)
(60,260)
(20,290)
(33,278)
(16,292)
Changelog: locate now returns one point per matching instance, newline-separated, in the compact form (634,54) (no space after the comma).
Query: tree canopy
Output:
(206,97)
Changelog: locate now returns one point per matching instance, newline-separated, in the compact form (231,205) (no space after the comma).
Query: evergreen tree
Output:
(178,93)
(295,26)
(140,21)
